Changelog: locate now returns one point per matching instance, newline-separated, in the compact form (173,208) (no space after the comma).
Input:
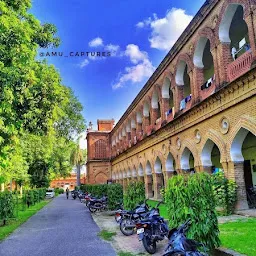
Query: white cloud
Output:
(114,49)
(133,52)
(96,42)
(137,73)
(84,63)
(165,31)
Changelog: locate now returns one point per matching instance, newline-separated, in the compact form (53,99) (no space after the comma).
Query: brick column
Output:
(178,97)
(225,58)
(145,124)
(133,134)
(198,82)
(165,107)
(154,115)
(158,184)
(140,179)
(236,173)
(128,137)
(251,33)
(149,186)
(168,175)
(207,169)
(214,52)
(139,130)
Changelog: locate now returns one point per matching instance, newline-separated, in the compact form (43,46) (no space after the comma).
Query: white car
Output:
(50,193)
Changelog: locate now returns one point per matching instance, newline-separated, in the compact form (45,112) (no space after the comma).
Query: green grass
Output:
(239,236)
(21,218)
(162,208)
(106,235)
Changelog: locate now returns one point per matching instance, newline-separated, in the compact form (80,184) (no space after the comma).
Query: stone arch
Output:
(215,137)
(183,61)
(134,172)
(236,137)
(148,169)
(146,109)
(139,117)
(169,164)
(184,161)
(206,153)
(166,88)
(158,165)
(140,170)
(186,148)
(101,178)
(227,13)
(209,34)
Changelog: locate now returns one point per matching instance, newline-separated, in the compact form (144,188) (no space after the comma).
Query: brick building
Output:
(69,182)
(196,113)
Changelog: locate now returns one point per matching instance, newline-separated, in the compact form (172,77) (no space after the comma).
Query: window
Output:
(100,149)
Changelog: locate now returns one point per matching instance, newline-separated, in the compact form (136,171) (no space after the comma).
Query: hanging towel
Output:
(182,104)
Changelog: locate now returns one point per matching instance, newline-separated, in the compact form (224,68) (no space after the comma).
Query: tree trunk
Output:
(21,190)
(11,185)
(78,175)
(2,187)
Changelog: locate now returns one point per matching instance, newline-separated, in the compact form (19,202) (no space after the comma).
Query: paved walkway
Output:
(62,228)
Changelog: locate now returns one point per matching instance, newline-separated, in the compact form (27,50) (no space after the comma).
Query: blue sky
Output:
(137,33)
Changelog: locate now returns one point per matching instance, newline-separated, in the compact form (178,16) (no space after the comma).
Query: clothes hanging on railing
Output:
(182,104)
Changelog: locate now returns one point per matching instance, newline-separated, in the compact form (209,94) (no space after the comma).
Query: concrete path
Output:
(62,228)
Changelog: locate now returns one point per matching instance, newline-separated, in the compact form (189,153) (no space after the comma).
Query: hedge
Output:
(96,190)
(134,195)
(192,197)
(115,195)
(6,206)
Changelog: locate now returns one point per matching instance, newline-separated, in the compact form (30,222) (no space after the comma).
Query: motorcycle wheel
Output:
(149,246)
(124,230)
(95,207)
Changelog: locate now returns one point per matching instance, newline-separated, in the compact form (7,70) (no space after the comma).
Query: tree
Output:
(78,158)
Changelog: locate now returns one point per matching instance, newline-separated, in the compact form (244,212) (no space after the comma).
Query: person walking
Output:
(67,192)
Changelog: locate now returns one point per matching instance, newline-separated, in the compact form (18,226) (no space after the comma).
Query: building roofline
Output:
(176,48)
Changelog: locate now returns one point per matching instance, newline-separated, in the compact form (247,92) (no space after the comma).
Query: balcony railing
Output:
(239,66)
(208,88)
(149,129)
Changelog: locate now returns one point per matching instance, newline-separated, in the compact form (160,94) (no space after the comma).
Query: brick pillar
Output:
(168,175)
(214,52)
(178,97)
(236,172)
(154,115)
(133,134)
(249,21)
(165,108)
(158,184)
(207,169)
(225,58)
(198,82)
(128,138)
(140,179)
(139,130)
(145,124)
(149,186)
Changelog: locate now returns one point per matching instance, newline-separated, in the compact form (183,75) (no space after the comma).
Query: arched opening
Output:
(233,29)
(243,153)
(187,161)
(149,181)
(211,157)
(182,79)
(159,182)
(134,173)
(155,103)
(170,164)
(168,94)
(203,59)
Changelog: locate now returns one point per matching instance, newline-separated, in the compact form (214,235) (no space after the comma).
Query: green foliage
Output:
(6,206)
(97,190)
(134,195)
(225,193)
(32,196)
(192,197)
(115,195)
(106,235)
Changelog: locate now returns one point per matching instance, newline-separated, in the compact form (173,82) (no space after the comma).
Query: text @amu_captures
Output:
(74,54)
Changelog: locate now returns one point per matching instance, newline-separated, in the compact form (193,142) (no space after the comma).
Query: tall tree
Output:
(77,159)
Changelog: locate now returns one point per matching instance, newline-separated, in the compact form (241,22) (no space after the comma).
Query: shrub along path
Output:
(63,227)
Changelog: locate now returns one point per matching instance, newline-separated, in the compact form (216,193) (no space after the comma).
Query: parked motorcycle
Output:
(180,245)
(98,204)
(152,229)
(128,219)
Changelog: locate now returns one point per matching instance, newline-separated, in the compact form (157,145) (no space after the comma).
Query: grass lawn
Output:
(239,236)
(22,217)
(106,235)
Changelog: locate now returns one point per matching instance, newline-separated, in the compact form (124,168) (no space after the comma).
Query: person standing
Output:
(67,192)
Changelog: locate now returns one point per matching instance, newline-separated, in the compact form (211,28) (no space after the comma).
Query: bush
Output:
(61,191)
(134,195)
(6,206)
(225,192)
(96,190)
(115,195)
(192,197)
